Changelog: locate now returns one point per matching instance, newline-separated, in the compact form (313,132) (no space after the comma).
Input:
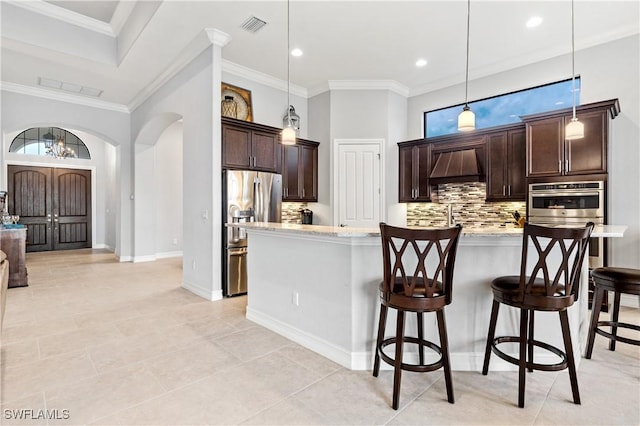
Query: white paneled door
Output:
(358,183)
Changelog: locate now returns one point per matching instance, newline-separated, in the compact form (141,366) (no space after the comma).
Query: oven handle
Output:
(565,193)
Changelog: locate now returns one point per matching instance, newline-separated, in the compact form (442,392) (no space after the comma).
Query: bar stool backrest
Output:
(418,263)
(550,277)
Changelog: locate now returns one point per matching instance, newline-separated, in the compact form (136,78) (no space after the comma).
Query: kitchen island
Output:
(318,286)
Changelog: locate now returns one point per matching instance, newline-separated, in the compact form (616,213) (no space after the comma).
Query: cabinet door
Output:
(406,191)
(308,172)
(516,160)
(236,147)
(290,160)
(589,154)
(497,167)
(264,149)
(421,172)
(544,147)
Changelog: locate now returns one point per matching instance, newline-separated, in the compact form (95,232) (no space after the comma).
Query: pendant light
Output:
(467,119)
(575,129)
(288,135)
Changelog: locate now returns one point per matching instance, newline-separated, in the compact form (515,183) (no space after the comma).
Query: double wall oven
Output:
(565,203)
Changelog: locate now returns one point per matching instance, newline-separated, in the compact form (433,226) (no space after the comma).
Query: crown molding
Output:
(62,97)
(217,37)
(390,85)
(200,42)
(121,14)
(52,11)
(262,78)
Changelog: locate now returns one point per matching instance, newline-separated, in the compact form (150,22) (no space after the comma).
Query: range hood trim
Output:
(457,166)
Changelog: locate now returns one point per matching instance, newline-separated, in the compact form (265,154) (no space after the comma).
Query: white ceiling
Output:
(127,48)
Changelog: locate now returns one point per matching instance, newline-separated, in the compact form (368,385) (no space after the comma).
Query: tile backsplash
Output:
(290,213)
(469,208)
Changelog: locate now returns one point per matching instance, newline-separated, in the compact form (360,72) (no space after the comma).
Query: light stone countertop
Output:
(607,231)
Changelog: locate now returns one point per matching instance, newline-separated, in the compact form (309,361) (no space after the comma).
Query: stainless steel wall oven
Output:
(565,203)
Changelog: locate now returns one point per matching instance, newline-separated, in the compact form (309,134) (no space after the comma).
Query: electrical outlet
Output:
(175,241)
(295,298)
(193,265)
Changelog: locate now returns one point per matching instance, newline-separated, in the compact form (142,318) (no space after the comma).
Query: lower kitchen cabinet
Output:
(300,171)
(506,161)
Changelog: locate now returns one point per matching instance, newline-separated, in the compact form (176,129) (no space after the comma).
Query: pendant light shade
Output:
(575,129)
(467,119)
(288,135)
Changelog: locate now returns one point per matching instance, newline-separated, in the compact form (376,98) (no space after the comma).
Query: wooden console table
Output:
(13,243)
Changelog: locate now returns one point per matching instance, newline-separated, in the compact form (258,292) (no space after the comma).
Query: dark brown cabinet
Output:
(250,146)
(550,155)
(414,167)
(506,161)
(13,242)
(300,171)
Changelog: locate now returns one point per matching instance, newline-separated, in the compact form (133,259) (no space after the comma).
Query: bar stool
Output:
(619,281)
(428,288)
(551,286)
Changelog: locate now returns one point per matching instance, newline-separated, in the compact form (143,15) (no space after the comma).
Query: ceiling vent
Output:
(253,24)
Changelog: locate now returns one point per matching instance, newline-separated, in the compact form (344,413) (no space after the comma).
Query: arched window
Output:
(51,142)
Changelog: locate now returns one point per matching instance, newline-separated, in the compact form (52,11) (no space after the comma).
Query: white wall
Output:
(607,71)
(168,192)
(320,131)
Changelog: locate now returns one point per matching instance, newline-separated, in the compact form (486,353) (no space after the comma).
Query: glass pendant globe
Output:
(574,130)
(288,136)
(466,120)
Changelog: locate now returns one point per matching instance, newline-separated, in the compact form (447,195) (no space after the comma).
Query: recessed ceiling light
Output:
(421,62)
(296,52)
(534,21)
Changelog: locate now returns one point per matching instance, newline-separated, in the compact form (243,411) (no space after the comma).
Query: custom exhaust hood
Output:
(457,166)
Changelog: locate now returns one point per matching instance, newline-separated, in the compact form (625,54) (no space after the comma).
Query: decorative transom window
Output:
(504,109)
(51,142)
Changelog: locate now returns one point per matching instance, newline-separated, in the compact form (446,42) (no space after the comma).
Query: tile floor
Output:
(102,342)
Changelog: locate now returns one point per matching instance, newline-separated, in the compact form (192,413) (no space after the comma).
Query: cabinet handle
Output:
(509,190)
(302,192)
(504,191)
(559,166)
(566,166)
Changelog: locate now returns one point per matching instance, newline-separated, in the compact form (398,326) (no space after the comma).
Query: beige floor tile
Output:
(35,329)
(22,352)
(188,365)
(75,340)
(47,373)
(287,412)
(129,350)
(309,359)
(357,398)
(252,343)
(90,399)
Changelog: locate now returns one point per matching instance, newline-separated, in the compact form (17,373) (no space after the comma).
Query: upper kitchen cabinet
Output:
(250,146)
(300,171)
(506,159)
(550,155)
(414,171)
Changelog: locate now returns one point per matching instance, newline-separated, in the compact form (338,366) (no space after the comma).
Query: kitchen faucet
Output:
(450,219)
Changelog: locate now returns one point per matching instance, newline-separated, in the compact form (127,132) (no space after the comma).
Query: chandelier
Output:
(58,149)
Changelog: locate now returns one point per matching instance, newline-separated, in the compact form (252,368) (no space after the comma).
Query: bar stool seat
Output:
(619,281)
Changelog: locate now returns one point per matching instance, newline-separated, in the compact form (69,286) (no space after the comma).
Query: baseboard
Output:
(169,254)
(628,300)
(314,343)
(147,258)
(202,292)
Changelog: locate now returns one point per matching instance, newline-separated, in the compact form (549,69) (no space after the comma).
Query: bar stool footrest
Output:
(529,364)
(421,368)
(617,338)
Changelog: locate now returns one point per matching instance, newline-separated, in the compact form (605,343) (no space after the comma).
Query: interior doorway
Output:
(358,182)
(53,203)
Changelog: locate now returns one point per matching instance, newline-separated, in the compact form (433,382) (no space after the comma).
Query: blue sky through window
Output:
(503,109)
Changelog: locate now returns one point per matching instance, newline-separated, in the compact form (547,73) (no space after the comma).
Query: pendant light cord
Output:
(466,84)
(573,62)
(288,69)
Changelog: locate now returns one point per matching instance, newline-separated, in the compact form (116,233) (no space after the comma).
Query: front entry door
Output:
(54,204)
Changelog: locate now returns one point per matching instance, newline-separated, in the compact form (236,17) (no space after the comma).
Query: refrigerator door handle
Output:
(257,200)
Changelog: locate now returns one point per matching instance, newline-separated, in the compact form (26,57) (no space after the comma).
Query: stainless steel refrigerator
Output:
(248,197)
